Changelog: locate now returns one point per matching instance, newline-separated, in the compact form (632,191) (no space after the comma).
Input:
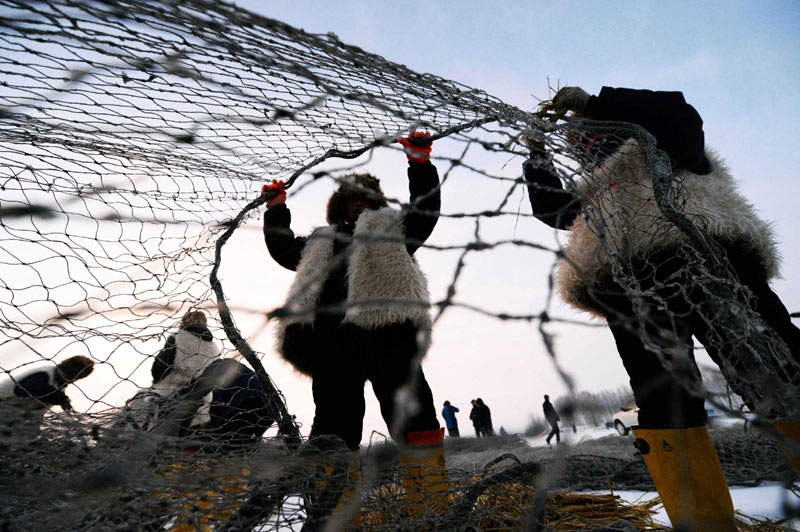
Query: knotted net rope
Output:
(134,139)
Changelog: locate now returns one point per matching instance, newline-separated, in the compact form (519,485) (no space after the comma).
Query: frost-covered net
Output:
(134,140)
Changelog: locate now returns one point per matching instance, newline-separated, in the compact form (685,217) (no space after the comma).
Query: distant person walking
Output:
(485,418)
(552,418)
(449,415)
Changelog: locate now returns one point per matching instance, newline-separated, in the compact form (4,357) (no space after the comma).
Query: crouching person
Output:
(358,310)
(183,358)
(240,413)
(26,396)
(164,409)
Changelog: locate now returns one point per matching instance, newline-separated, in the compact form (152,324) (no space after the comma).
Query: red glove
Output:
(417,146)
(276,186)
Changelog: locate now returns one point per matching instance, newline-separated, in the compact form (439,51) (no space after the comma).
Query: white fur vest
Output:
(192,356)
(385,285)
(621,219)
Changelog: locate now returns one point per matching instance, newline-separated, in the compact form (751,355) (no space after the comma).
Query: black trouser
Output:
(554,432)
(350,356)
(454,432)
(675,298)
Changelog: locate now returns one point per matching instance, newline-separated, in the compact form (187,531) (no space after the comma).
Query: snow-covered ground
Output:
(582,433)
(763,502)
(766,501)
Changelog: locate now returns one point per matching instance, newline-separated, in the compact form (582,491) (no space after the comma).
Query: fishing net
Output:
(134,140)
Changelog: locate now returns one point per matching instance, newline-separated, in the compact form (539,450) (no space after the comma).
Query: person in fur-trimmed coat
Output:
(358,310)
(614,222)
(26,396)
(182,359)
(357,304)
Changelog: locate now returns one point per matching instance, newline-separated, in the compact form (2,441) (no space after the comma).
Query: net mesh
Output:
(134,140)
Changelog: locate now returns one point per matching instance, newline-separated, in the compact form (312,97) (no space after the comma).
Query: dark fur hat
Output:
(364,186)
(194,317)
(73,368)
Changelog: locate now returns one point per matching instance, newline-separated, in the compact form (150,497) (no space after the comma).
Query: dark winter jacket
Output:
(485,417)
(550,413)
(240,411)
(449,415)
(612,213)
(475,417)
(361,275)
(36,389)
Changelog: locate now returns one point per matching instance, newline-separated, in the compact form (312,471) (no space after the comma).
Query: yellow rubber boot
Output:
(791,430)
(232,492)
(351,494)
(196,500)
(207,504)
(686,471)
(424,473)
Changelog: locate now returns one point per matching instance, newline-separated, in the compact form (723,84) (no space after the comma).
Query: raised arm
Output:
(282,245)
(549,201)
(423,187)
(426,201)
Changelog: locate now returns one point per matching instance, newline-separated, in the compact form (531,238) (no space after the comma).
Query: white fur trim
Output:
(308,281)
(312,272)
(621,219)
(192,356)
(7,385)
(379,269)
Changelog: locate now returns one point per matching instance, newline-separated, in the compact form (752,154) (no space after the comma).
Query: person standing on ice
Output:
(484,418)
(475,417)
(552,418)
(450,421)
(358,310)
(612,215)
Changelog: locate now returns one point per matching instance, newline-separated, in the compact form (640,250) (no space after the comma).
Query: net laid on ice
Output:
(135,137)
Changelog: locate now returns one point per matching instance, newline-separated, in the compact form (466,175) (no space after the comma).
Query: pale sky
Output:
(736,62)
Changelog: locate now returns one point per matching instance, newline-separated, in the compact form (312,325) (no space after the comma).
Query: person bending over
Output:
(618,232)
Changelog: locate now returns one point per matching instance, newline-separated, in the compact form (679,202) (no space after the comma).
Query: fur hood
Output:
(621,219)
